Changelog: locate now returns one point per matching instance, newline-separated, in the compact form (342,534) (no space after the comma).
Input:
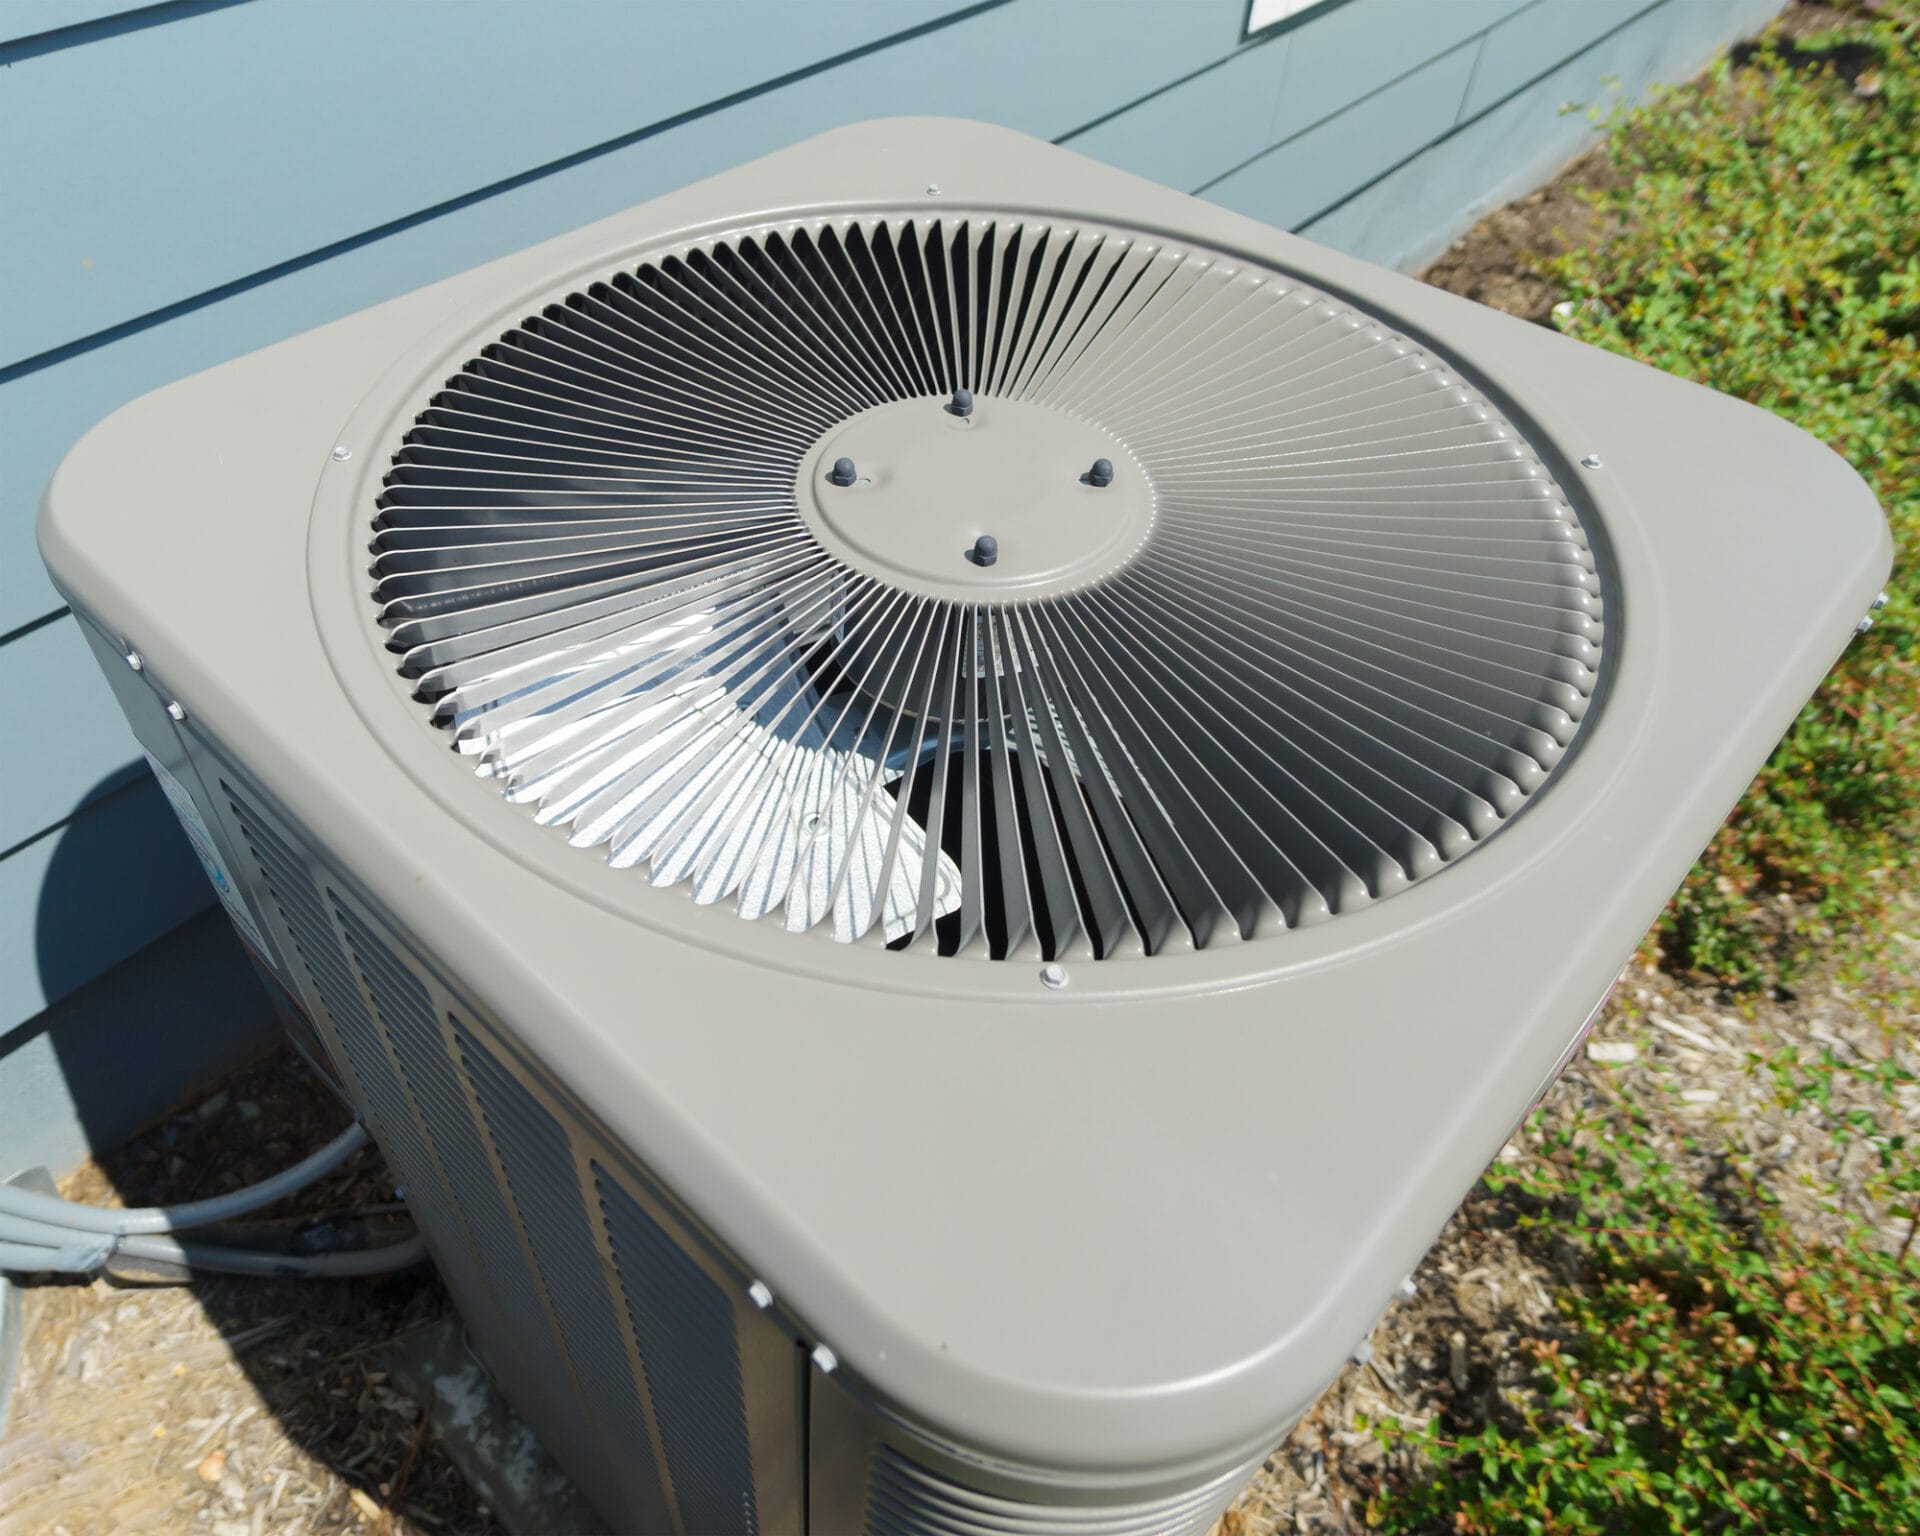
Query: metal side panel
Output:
(872,1475)
(659,1325)
(320,970)
(686,1331)
(404,1085)
(536,1161)
(523,1349)
(623,1335)
(735,1403)
(297,1022)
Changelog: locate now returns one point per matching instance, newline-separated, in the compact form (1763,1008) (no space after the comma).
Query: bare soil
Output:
(230,1406)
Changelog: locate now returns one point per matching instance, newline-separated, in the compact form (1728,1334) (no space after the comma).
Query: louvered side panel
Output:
(299,1027)
(298,908)
(244,827)
(493,1161)
(537,1157)
(688,1337)
(904,1499)
(871,1473)
(410,1024)
(383,1091)
(496,1286)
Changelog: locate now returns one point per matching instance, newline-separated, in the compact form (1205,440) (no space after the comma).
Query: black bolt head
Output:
(1101,473)
(986,549)
(843,472)
(962,403)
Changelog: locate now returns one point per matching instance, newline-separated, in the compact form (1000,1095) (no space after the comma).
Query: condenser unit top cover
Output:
(1060,764)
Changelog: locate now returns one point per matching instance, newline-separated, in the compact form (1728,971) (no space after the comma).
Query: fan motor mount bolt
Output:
(986,550)
(843,472)
(1101,474)
(1053,974)
(1590,461)
(342,453)
(962,402)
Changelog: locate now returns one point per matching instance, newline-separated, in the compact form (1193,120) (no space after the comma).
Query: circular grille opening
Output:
(1309,622)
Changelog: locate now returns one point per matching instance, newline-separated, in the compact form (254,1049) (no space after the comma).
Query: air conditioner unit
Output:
(938,802)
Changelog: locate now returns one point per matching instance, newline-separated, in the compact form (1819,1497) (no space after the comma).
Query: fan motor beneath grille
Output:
(999,588)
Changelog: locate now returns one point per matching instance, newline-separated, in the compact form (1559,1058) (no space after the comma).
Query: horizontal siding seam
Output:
(83,344)
(1240,51)
(1492,106)
(21,631)
(93,29)
(131,781)
(1320,122)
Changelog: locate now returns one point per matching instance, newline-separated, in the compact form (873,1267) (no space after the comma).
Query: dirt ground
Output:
(230,1407)
(239,1407)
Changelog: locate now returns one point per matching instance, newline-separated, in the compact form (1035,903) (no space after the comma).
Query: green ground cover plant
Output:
(1761,234)
(1718,1369)
(1737,1349)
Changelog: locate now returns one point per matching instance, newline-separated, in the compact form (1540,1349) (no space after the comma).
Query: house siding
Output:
(188,181)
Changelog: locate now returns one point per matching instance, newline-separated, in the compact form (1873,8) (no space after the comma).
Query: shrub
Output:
(1760,233)
(1719,1370)
(1735,1351)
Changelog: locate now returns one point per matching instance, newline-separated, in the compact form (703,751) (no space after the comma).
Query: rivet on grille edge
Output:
(933,189)
(1053,974)
(760,1295)
(134,660)
(1590,461)
(176,710)
(825,1358)
(342,453)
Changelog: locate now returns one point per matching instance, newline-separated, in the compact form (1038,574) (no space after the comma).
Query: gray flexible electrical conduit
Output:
(87,1252)
(248,1261)
(47,1234)
(69,1215)
(81,1254)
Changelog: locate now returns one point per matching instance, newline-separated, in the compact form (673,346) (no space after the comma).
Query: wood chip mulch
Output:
(231,1406)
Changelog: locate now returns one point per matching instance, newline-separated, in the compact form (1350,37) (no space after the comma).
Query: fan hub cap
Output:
(930,484)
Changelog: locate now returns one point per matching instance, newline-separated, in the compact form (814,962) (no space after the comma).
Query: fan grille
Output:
(1352,626)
